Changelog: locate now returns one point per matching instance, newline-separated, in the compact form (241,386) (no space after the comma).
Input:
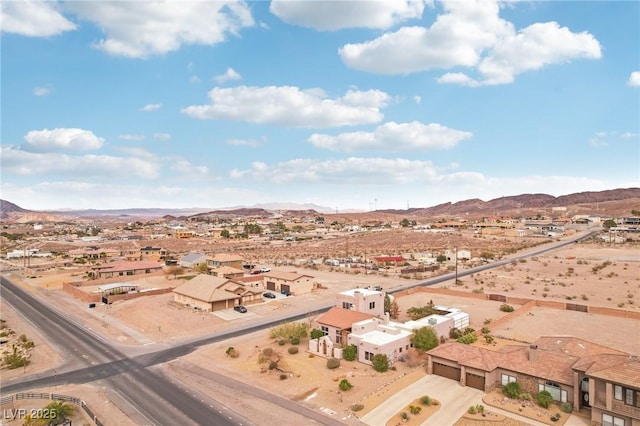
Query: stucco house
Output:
(208,293)
(290,283)
(362,300)
(227,272)
(336,323)
(125,268)
(587,375)
(192,260)
(375,336)
(225,259)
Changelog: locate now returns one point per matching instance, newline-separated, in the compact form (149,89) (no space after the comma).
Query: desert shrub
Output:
(295,341)
(293,350)
(544,399)
(14,360)
(349,352)
(404,415)
(525,397)
(344,385)
(232,352)
(455,333)
(273,365)
(512,389)
(472,410)
(283,376)
(415,409)
(316,334)
(333,363)
(425,400)
(506,308)
(424,339)
(23,338)
(357,407)
(282,342)
(380,363)
(467,339)
(289,330)
(28,344)
(555,417)
(566,407)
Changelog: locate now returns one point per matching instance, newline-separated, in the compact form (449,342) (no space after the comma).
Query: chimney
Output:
(533,353)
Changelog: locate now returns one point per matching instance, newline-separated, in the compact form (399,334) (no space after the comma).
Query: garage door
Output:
(271,286)
(447,371)
(475,381)
(285,289)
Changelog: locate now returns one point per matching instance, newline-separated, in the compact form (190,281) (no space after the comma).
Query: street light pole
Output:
(455,253)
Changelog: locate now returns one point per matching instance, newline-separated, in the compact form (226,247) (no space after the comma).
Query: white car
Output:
(265,269)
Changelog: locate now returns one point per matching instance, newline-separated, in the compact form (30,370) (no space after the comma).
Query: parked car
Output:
(240,309)
(265,269)
(269,295)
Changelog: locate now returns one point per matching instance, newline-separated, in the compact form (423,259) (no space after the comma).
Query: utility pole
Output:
(455,254)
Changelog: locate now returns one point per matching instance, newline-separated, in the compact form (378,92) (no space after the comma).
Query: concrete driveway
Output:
(454,399)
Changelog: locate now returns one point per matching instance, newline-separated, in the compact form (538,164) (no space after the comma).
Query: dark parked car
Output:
(269,295)
(240,309)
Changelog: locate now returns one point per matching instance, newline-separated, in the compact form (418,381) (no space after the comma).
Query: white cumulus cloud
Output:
(140,29)
(393,137)
(64,139)
(132,137)
(634,79)
(41,91)
(336,15)
(33,18)
(229,75)
(471,34)
(151,107)
(290,106)
(353,170)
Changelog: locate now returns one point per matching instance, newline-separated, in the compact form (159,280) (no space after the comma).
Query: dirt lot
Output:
(563,275)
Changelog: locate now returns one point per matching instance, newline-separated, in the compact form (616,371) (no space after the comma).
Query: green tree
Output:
(380,363)
(609,223)
(252,229)
(441,258)
(635,212)
(345,385)
(59,412)
(201,268)
(405,223)
(225,233)
(349,352)
(316,334)
(424,339)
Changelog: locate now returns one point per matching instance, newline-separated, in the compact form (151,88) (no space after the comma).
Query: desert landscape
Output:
(574,275)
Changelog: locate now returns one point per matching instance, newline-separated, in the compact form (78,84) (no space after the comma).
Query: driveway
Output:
(454,399)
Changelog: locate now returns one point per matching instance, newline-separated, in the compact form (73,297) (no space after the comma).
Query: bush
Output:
(232,352)
(454,333)
(333,363)
(424,339)
(293,350)
(380,363)
(283,376)
(506,308)
(544,399)
(282,342)
(316,334)
(344,385)
(472,410)
(415,409)
(467,339)
(404,415)
(13,361)
(512,390)
(566,407)
(357,407)
(425,400)
(525,397)
(290,330)
(295,341)
(349,352)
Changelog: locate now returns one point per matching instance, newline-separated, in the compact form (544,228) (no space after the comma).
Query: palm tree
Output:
(62,412)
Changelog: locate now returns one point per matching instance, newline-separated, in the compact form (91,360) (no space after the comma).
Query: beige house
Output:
(290,283)
(208,293)
(362,300)
(375,336)
(125,269)
(227,272)
(336,323)
(225,259)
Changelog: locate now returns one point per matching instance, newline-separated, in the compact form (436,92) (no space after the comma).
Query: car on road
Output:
(269,295)
(240,309)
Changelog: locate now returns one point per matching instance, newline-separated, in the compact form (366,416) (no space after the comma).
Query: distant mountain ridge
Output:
(471,206)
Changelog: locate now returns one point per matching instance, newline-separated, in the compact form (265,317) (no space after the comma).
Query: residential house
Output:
(153,253)
(289,283)
(125,268)
(336,323)
(389,260)
(208,293)
(376,336)
(587,375)
(225,259)
(192,260)
(362,300)
(227,272)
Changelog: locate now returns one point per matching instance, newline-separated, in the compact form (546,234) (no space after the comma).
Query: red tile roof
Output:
(342,318)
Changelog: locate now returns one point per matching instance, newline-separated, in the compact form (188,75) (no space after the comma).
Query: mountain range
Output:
(612,202)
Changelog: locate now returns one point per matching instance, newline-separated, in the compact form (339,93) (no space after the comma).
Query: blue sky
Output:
(343,104)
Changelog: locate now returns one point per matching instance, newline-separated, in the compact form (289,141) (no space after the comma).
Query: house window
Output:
(372,305)
(553,388)
(617,392)
(507,379)
(609,420)
(346,305)
(325,330)
(368,355)
(338,336)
